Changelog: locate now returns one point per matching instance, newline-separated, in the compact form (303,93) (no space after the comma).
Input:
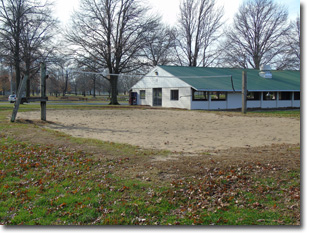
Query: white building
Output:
(216,88)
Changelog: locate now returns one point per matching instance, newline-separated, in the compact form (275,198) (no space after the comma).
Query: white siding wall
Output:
(184,101)
(253,104)
(284,103)
(234,100)
(269,104)
(296,103)
(204,105)
(148,97)
(218,105)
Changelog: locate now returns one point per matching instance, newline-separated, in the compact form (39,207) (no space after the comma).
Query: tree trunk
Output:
(94,95)
(17,74)
(66,84)
(113,81)
(28,87)
(256,60)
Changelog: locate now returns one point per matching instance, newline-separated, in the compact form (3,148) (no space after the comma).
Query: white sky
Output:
(169,8)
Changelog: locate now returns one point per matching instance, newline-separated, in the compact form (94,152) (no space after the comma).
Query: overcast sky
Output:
(169,8)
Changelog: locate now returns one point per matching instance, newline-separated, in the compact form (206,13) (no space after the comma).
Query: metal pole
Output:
(244,91)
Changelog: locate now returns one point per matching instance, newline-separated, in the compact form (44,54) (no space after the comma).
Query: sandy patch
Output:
(188,131)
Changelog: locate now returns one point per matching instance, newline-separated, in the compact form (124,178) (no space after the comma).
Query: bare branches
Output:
(160,43)
(291,59)
(112,34)
(199,25)
(257,35)
(26,29)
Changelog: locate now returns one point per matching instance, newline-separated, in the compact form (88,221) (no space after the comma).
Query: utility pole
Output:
(244,91)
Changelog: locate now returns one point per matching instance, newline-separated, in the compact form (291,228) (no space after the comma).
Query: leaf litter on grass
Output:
(59,185)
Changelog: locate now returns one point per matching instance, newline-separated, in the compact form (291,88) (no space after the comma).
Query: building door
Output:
(157,97)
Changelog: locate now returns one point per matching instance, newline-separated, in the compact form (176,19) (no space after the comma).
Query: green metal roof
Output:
(219,79)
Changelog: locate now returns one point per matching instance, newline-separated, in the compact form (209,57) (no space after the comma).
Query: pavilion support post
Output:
(43,90)
(244,91)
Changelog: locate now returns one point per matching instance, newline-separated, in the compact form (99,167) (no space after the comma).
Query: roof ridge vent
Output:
(265,71)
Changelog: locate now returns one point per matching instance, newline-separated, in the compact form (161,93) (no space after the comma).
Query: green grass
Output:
(278,113)
(45,185)
(262,113)
(63,184)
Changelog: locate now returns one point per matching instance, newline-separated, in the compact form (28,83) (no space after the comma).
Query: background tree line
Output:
(108,39)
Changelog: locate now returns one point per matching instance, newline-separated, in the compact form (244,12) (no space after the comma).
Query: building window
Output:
(218,96)
(200,95)
(254,96)
(285,96)
(174,95)
(270,95)
(296,95)
(142,94)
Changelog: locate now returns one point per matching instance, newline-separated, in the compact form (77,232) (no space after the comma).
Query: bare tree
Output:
(59,74)
(53,84)
(199,24)
(35,84)
(38,29)
(291,58)
(126,83)
(11,15)
(159,46)
(24,28)
(112,34)
(257,35)
(4,79)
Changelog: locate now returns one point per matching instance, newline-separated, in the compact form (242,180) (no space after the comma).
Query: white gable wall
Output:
(167,82)
(162,80)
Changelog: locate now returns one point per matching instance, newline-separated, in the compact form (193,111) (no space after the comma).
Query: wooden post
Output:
(244,91)
(43,90)
(19,95)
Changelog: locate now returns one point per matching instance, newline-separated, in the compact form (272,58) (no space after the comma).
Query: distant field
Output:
(73,97)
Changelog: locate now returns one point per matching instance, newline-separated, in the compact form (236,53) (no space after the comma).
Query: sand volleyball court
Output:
(175,130)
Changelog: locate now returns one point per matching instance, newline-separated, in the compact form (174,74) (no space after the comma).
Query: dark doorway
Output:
(157,97)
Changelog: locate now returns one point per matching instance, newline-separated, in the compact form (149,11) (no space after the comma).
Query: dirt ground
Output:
(174,130)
